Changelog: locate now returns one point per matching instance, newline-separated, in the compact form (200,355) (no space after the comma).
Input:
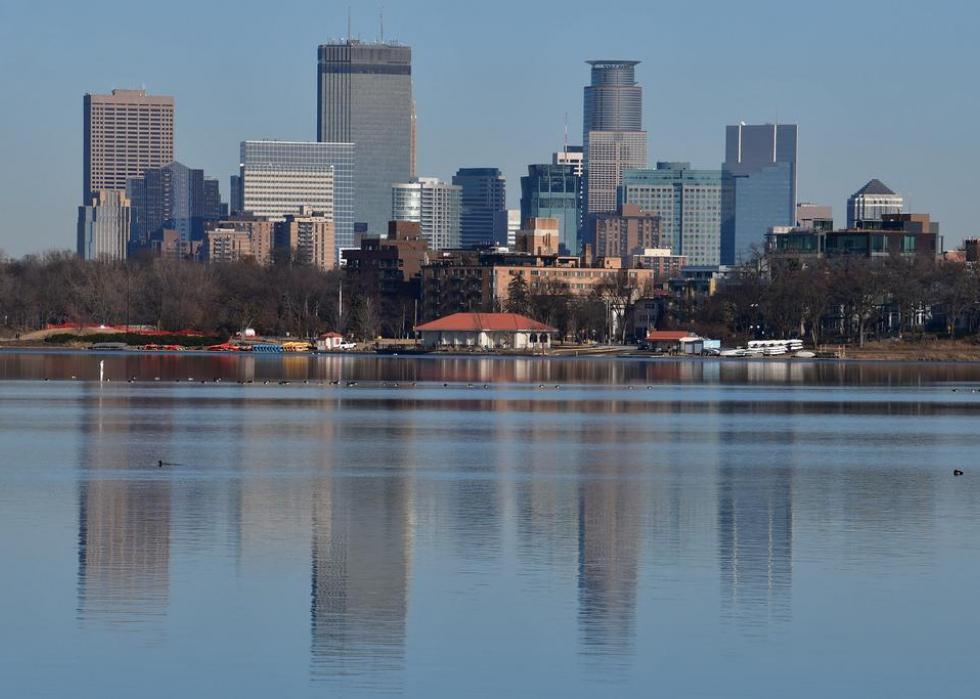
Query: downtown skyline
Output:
(470,113)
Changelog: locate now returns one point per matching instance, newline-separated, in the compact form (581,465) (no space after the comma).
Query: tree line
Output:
(847,300)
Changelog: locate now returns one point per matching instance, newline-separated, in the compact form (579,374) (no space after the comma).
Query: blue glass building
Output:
(554,191)
(173,196)
(758,186)
(484,196)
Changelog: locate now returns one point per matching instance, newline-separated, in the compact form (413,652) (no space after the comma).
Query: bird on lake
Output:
(957,472)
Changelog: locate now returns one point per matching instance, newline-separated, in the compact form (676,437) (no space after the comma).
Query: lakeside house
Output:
(329,341)
(675,341)
(486,331)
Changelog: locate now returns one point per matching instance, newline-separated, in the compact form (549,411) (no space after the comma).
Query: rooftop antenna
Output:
(348,25)
(565,142)
(381,17)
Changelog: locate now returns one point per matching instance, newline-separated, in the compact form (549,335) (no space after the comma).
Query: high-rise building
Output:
(628,231)
(613,136)
(814,216)
(434,205)
(235,194)
(483,196)
(364,97)
(125,133)
(570,155)
(553,191)
(758,186)
(281,177)
(871,202)
(175,197)
(505,227)
(103,226)
(308,238)
(688,203)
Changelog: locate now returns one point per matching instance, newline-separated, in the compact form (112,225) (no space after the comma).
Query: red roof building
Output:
(486,331)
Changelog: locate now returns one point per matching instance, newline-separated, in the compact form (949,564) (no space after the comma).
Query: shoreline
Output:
(960,354)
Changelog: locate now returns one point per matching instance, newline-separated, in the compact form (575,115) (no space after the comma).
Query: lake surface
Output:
(576,528)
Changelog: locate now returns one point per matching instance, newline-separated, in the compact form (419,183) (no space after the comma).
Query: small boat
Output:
(109,346)
(805,354)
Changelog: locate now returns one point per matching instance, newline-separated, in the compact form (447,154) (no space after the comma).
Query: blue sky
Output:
(879,89)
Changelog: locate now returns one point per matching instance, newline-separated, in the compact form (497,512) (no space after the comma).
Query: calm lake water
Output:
(647,528)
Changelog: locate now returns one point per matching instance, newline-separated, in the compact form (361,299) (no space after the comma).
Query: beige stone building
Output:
(125,133)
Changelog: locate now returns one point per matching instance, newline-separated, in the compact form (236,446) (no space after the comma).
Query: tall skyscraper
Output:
(103,226)
(434,205)
(872,201)
(688,203)
(553,191)
(281,177)
(175,197)
(364,97)
(758,186)
(125,133)
(483,196)
(612,133)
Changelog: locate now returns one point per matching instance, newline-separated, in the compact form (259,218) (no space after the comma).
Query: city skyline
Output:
(844,142)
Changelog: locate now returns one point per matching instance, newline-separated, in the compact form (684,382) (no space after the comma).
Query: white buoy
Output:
(101,370)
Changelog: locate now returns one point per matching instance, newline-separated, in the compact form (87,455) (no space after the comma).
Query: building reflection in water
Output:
(124,520)
(362,540)
(609,544)
(755,534)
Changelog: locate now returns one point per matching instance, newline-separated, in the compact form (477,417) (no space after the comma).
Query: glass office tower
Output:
(175,197)
(758,186)
(552,191)
(484,195)
(688,203)
(364,97)
(281,177)
(434,205)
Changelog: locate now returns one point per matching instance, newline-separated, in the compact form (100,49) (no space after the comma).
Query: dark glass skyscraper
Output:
(552,191)
(364,97)
(483,197)
(175,197)
(758,186)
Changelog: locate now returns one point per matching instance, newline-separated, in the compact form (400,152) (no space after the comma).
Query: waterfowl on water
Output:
(957,472)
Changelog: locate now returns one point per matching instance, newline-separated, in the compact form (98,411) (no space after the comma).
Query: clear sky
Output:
(885,89)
